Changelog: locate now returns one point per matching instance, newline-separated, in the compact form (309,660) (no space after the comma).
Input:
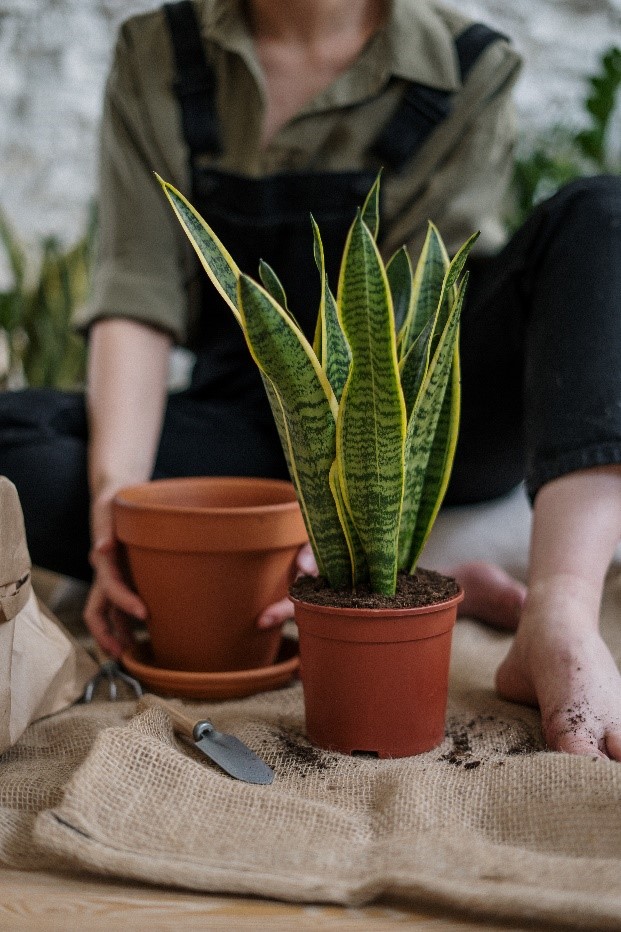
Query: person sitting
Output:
(262,112)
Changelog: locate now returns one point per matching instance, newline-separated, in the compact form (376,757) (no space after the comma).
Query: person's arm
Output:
(138,297)
(126,397)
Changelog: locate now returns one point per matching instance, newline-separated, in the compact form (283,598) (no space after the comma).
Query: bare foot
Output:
(559,662)
(490,594)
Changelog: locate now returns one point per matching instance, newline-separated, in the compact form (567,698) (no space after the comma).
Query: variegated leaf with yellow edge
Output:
(308,408)
(371,419)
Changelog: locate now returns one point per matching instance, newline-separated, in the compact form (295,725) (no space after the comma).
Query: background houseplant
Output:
(564,152)
(368,418)
(36,311)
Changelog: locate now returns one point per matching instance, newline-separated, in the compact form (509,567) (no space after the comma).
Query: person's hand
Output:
(280,612)
(110,602)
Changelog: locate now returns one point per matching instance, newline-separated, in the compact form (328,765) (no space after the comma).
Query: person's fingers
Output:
(104,562)
(276,614)
(97,622)
(305,562)
(121,628)
(613,742)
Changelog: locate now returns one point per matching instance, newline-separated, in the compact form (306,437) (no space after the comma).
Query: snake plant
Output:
(368,414)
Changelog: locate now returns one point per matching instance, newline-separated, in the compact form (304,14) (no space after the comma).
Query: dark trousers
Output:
(541,383)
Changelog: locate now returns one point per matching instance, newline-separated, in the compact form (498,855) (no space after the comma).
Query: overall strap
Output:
(195,83)
(423,108)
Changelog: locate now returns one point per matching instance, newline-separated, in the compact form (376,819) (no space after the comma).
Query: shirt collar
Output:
(415,44)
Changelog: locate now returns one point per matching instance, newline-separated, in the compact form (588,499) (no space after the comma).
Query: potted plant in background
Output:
(368,418)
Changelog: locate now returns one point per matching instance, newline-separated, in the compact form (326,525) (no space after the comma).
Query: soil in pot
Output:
(375,669)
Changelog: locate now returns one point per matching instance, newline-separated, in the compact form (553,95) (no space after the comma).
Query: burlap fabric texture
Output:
(488,824)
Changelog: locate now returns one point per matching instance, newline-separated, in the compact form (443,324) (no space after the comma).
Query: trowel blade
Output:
(231,755)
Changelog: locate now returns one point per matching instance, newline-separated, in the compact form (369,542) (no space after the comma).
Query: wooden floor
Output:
(44,901)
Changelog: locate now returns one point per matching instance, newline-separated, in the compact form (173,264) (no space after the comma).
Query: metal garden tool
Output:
(110,670)
(227,751)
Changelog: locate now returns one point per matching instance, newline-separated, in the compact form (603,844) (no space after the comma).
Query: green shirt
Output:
(459,178)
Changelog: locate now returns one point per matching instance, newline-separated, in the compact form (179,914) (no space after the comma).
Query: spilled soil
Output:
(510,739)
(295,752)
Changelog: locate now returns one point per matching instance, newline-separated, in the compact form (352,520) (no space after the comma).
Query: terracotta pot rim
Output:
(375,613)
(124,498)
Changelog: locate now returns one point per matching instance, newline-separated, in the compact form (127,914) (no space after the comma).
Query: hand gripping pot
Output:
(207,556)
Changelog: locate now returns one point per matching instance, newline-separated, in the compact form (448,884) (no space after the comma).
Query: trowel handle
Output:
(181,723)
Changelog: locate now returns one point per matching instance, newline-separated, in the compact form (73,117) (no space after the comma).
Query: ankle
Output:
(559,609)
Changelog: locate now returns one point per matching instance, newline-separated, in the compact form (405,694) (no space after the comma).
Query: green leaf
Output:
(274,287)
(359,568)
(335,355)
(399,272)
(449,293)
(413,367)
(428,278)
(306,423)
(371,208)
(306,414)
(421,430)
(371,417)
(440,464)
(272,284)
(214,257)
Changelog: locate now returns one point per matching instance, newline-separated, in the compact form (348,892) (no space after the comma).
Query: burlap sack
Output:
(42,669)
(489,824)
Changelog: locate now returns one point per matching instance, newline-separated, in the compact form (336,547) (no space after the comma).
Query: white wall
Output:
(54,56)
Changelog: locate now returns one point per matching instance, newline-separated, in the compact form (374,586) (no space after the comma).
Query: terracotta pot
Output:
(376,680)
(207,555)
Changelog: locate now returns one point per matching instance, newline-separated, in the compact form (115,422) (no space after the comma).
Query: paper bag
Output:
(42,669)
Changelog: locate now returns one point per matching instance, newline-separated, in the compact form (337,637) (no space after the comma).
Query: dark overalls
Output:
(540,344)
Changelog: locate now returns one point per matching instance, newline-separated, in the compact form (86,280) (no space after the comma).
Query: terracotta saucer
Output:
(138,661)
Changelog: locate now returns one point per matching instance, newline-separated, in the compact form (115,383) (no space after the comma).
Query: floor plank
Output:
(39,900)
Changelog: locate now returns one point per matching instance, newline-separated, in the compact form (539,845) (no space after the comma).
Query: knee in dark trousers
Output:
(43,452)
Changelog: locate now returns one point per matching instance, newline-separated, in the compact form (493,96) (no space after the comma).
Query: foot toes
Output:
(582,743)
(613,744)
(574,732)
(490,594)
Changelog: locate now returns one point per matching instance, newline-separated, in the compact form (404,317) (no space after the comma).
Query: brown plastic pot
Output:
(207,555)
(376,680)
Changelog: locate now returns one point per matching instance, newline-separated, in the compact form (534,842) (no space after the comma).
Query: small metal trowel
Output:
(227,751)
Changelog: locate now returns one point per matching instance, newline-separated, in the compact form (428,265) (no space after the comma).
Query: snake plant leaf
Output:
(449,289)
(413,367)
(421,433)
(335,355)
(371,422)
(371,207)
(308,410)
(399,272)
(317,341)
(439,466)
(272,284)
(427,284)
(359,568)
(224,273)
(274,287)
(213,255)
